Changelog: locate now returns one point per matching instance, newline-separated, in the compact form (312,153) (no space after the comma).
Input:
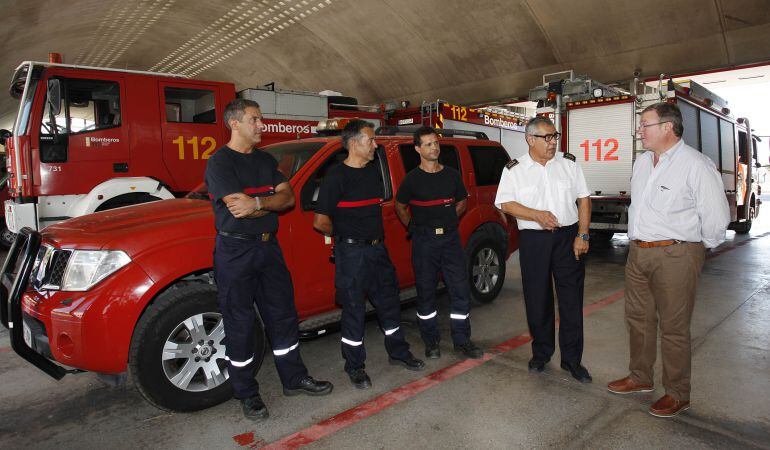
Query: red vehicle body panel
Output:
(100,322)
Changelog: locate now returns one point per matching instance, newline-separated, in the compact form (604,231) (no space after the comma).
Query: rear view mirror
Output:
(4,135)
(54,96)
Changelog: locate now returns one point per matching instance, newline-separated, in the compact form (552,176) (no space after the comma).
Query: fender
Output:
(115,187)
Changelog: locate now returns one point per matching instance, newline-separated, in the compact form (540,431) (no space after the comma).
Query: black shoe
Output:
(309,386)
(360,379)
(537,365)
(432,351)
(469,350)
(410,362)
(254,409)
(577,371)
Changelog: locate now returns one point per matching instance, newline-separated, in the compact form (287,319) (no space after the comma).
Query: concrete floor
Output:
(495,403)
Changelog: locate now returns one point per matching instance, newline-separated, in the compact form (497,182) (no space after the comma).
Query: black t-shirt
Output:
(255,174)
(432,196)
(352,197)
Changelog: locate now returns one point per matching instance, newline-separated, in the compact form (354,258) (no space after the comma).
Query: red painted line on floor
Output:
(5,349)
(409,390)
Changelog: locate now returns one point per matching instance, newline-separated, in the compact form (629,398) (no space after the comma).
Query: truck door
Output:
(86,143)
(191,130)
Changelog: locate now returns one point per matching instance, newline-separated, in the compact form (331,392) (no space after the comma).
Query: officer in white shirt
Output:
(547,193)
(678,210)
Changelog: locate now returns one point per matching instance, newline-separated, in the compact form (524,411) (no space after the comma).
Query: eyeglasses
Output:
(646,125)
(548,137)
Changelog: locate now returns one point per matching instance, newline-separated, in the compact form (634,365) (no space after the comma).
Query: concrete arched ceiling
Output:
(461,51)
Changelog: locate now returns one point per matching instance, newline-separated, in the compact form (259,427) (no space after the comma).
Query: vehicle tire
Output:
(486,266)
(174,322)
(6,238)
(745,227)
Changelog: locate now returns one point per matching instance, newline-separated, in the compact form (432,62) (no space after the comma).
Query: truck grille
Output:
(48,271)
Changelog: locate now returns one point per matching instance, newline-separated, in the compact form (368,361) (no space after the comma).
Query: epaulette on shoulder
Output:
(569,156)
(511,164)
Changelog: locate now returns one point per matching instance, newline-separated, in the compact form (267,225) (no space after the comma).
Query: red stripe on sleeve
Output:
(258,190)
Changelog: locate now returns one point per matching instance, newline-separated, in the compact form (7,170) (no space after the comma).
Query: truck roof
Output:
(108,69)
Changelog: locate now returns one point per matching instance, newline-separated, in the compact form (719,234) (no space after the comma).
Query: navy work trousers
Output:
(433,253)
(363,271)
(547,260)
(249,272)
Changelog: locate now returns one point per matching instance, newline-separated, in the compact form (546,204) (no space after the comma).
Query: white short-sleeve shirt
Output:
(554,187)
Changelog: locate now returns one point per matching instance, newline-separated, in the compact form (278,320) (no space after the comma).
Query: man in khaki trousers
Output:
(678,210)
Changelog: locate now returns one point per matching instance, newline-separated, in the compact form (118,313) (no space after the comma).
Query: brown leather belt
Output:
(644,244)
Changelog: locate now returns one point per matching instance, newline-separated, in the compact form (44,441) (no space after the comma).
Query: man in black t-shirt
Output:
(349,209)
(247,191)
(437,197)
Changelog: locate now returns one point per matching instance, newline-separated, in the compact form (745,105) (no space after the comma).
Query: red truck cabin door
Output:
(86,143)
(191,130)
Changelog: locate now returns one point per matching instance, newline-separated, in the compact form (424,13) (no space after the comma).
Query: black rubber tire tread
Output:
(485,237)
(144,366)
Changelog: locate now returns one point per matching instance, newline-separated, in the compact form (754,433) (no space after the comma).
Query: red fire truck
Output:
(598,124)
(90,139)
(497,124)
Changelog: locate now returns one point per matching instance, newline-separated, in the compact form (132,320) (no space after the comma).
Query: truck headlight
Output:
(86,268)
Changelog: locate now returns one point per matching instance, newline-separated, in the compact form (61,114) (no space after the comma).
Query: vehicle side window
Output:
(411,158)
(488,163)
(88,105)
(309,193)
(190,105)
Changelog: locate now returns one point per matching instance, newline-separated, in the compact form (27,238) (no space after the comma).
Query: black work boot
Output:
(254,409)
(432,351)
(309,386)
(469,350)
(410,362)
(360,379)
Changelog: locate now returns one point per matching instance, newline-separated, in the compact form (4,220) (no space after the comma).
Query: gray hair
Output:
(533,124)
(236,108)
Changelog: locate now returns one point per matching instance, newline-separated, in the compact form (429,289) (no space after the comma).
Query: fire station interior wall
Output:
(289,105)
(602,140)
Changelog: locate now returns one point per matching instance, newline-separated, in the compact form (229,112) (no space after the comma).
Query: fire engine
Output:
(598,125)
(498,124)
(89,139)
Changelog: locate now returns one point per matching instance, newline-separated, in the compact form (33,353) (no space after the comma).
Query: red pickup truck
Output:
(131,289)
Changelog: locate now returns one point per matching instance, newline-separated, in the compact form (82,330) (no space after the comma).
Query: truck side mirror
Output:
(54,96)
(4,135)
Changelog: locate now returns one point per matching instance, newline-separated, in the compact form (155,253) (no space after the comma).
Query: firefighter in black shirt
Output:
(349,209)
(437,198)
(247,191)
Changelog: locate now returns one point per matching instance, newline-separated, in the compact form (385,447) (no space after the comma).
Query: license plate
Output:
(27,335)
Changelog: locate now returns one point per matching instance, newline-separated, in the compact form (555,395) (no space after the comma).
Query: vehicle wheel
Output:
(486,267)
(177,357)
(745,227)
(6,238)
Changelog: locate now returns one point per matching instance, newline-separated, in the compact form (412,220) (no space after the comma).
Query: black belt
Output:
(554,230)
(434,230)
(264,237)
(359,241)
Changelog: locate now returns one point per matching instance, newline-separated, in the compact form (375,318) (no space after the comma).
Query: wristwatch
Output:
(585,237)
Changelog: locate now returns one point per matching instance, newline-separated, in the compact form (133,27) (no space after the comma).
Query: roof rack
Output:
(409,129)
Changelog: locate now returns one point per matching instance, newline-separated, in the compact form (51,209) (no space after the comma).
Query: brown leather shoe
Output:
(668,406)
(628,386)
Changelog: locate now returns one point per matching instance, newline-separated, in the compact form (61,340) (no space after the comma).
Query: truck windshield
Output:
(291,156)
